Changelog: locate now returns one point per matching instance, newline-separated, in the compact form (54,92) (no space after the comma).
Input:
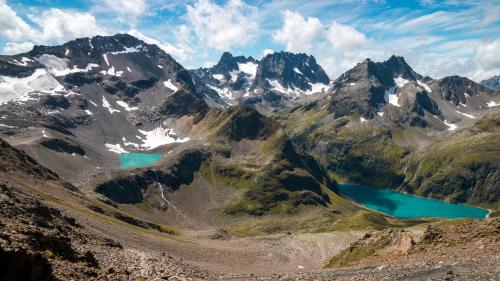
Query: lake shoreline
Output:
(393,197)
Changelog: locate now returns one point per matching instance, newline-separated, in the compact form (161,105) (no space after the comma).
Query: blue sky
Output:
(438,38)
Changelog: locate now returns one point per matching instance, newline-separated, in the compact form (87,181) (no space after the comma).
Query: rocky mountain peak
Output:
(244,122)
(492,83)
(290,71)
(228,63)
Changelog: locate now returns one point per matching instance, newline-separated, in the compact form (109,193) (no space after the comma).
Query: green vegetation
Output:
(464,168)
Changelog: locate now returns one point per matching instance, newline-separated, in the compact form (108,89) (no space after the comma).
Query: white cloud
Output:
(179,52)
(337,47)
(50,26)
(488,60)
(12,27)
(345,38)
(16,48)
(223,27)
(62,25)
(266,52)
(487,55)
(297,33)
(127,10)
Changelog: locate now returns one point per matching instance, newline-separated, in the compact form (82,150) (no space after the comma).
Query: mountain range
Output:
(249,148)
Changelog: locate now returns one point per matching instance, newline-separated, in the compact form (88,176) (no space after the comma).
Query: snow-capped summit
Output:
(274,80)
(231,77)
(291,73)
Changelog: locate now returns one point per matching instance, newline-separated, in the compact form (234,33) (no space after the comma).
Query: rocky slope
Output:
(492,83)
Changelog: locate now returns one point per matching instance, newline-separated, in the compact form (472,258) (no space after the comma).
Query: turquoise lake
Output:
(402,205)
(138,159)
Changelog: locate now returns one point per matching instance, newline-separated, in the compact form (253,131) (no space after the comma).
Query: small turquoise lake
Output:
(138,159)
(402,205)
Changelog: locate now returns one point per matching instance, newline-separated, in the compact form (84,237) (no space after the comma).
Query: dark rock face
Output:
(81,78)
(55,102)
(290,70)
(182,103)
(492,83)
(246,123)
(122,190)
(23,265)
(61,145)
(457,89)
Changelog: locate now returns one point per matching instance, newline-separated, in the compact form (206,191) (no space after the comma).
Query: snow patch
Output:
(362,119)
(467,115)
(316,88)
(88,112)
(128,69)
(116,148)
(40,81)
(234,75)
(106,104)
(66,53)
(277,86)
(160,136)
(249,68)
(400,81)
(128,50)
(423,85)
(218,76)
(492,104)
(59,67)
(159,66)
(24,61)
(352,84)
(391,96)
(224,92)
(297,71)
(451,126)
(380,113)
(170,85)
(125,106)
(105,56)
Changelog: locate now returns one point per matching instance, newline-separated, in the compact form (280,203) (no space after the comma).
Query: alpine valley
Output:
(117,163)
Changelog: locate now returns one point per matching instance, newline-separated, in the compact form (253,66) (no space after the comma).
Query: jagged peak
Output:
(228,62)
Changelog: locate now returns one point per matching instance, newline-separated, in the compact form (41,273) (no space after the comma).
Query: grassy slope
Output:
(460,168)
(464,167)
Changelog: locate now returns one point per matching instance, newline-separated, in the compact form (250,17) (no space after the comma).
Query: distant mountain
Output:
(271,82)
(231,77)
(493,82)
(392,90)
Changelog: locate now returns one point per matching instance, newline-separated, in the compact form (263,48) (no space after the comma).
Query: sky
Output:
(437,38)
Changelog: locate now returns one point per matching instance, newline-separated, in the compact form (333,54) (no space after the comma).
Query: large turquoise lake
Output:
(402,205)
(138,159)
